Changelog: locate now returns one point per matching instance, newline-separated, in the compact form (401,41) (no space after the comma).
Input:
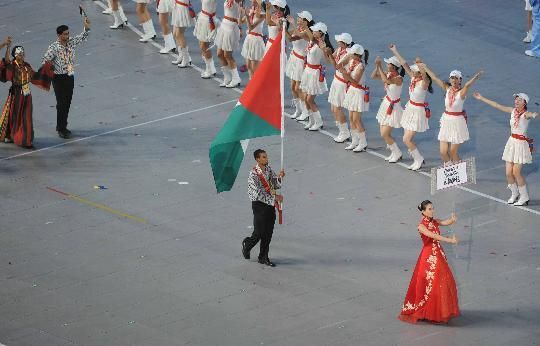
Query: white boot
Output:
(389,156)
(304,111)
(297,109)
(318,122)
(311,121)
(170,45)
(418,160)
(117,21)
(515,193)
(396,153)
(343,134)
(186,58)
(210,70)
(355,139)
(362,143)
(149,31)
(227,76)
(122,14)
(523,196)
(235,79)
(528,37)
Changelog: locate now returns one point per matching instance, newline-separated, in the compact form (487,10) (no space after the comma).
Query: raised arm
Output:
(352,77)
(425,79)
(375,73)
(8,46)
(422,229)
(492,103)
(450,221)
(268,12)
(7,42)
(398,80)
(470,82)
(403,62)
(433,76)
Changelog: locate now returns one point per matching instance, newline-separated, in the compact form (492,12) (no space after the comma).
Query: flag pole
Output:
(282,86)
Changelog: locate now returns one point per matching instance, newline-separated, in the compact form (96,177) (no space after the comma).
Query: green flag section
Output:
(257,114)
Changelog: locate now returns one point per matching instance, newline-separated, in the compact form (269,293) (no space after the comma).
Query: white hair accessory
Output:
(19,51)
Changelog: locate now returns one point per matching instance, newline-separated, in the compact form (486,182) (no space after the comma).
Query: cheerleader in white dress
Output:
(416,113)
(295,64)
(313,81)
(453,131)
(205,31)
(338,88)
(227,41)
(164,8)
(357,94)
(276,12)
(390,111)
(183,17)
(517,150)
(253,48)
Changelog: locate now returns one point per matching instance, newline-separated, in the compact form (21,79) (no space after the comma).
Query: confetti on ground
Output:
(183,183)
(171,179)
(48,222)
(196,161)
(100,187)
(340,198)
(193,128)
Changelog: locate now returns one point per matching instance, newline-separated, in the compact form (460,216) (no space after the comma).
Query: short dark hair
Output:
(424,204)
(257,153)
(13,50)
(61,29)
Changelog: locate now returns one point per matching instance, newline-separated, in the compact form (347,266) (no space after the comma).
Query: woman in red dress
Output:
(16,116)
(432,293)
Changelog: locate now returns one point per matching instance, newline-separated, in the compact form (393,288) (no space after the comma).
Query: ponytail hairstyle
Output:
(328,43)
(350,44)
(423,206)
(366,56)
(400,70)
(430,87)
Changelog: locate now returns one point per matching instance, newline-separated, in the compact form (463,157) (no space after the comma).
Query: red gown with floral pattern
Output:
(432,293)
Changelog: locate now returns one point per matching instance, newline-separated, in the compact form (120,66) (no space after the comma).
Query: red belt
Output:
(255,34)
(524,138)
(392,103)
(298,55)
(462,113)
(425,105)
(208,13)
(315,67)
(178,2)
(340,79)
(361,87)
(210,19)
(231,19)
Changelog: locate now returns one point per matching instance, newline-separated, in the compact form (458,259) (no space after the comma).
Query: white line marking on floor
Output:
(324,132)
(119,129)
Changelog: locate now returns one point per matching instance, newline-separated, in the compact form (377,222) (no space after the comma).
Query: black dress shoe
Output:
(267,262)
(63,134)
(245,251)
(68,131)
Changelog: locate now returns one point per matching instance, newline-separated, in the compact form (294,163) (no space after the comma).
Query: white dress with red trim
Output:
(181,15)
(357,95)
(414,115)
(338,88)
(295,63)
(313,80)
(228,34)
(390,110)
(253,48)
(207,22)
(517,149)
(453,121)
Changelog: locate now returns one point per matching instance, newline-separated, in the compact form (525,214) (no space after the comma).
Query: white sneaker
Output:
(235,79)
(109,11)
(355,140)
(530,53)
(147,37)
(527,38)
(177,60)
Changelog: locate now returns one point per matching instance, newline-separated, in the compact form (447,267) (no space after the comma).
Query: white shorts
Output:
(165,6)
(528,6)
(517,151)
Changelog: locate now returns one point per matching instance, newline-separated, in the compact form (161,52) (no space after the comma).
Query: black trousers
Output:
(63,90)
(264,217)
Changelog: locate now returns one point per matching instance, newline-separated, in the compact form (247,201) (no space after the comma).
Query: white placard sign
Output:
(448,176)
(444,177)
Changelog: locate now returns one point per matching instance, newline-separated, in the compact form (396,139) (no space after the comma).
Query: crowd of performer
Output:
(432,293)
